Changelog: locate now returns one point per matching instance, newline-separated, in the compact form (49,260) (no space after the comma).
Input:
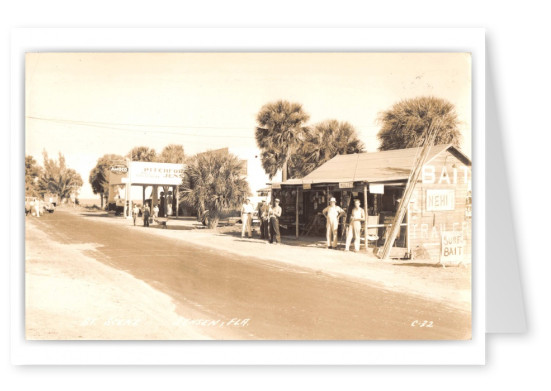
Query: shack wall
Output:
(440,202)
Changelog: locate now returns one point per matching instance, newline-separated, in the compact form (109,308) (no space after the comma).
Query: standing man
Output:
(332,214)
(354,228)
(37,207)
(135,213)
(246,218)
(274,214)
(263,210)
(146,214)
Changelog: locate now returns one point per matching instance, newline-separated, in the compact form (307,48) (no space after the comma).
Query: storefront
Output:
(439,208)
(160,181)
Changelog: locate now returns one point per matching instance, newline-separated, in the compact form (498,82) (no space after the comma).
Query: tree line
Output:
(54,177)
(288,144)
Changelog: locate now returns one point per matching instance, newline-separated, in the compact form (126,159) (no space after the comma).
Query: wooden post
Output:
(298,189)
(407,230)
(143,196)
(410,187)
(365,222)
(177,191)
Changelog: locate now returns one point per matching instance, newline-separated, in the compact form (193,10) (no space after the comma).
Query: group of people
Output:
(269,220)
(333,213)
(146,213)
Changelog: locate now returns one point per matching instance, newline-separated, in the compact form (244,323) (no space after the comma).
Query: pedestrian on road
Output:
(146,214)
(37,207)
(246,218)
(274,215)
(135,213)
(332,213)
(355,226)
(263,210)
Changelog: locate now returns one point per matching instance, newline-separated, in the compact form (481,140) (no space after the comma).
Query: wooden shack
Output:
(438,220)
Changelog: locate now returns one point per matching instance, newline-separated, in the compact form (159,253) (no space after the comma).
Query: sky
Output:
(85,105)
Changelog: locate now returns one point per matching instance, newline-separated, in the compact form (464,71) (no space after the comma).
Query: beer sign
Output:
(440,199)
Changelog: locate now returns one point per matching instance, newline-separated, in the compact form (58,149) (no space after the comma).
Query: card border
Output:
(24,352)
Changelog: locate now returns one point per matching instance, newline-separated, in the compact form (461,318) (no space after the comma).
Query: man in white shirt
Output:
(246,218)
(357,215)
(274,214)
(332,213)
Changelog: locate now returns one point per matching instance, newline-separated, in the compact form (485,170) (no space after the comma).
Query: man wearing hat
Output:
(332,213)
(246,218)
(274,214)
(263,209)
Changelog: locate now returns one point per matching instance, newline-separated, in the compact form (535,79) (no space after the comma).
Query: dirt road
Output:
(178,291)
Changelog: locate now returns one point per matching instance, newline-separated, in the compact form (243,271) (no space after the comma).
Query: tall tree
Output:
(279,133)
(142,154)
(32,173)
(326,140)
(404,125)
(99,176)
(214,182)
(58,179)
(172,153)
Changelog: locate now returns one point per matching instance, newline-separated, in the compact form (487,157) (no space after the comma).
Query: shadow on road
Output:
(418,264)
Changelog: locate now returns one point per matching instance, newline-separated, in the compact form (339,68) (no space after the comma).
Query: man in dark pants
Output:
(275,214)
(263,210)
(146,213)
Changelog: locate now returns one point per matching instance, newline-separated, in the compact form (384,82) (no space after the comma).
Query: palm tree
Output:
(279,132)
(172,153)
(325,141)
(142,154)
(214,182)
(99,175)
(58,179)
(404,125)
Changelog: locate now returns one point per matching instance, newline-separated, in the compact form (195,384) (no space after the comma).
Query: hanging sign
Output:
(306,186)
(346,185)
(376,188)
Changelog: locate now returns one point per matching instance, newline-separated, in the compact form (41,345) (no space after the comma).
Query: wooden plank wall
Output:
(425,226)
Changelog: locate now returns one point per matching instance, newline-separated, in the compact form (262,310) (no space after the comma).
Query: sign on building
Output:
(156,173)
(376,188)
(440,199)
(453,247)
(346,185)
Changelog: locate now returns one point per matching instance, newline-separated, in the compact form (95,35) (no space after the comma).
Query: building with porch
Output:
(439,210)
(159,181)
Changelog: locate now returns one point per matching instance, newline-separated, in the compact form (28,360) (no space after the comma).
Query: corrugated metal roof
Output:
(384,166)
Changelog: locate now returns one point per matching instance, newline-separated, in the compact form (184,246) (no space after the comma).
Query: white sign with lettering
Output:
(452,246)
(453,176)
(156,173)
(376,188)
(440,199)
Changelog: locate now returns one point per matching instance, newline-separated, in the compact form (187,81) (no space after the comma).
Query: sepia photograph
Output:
(248,196)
